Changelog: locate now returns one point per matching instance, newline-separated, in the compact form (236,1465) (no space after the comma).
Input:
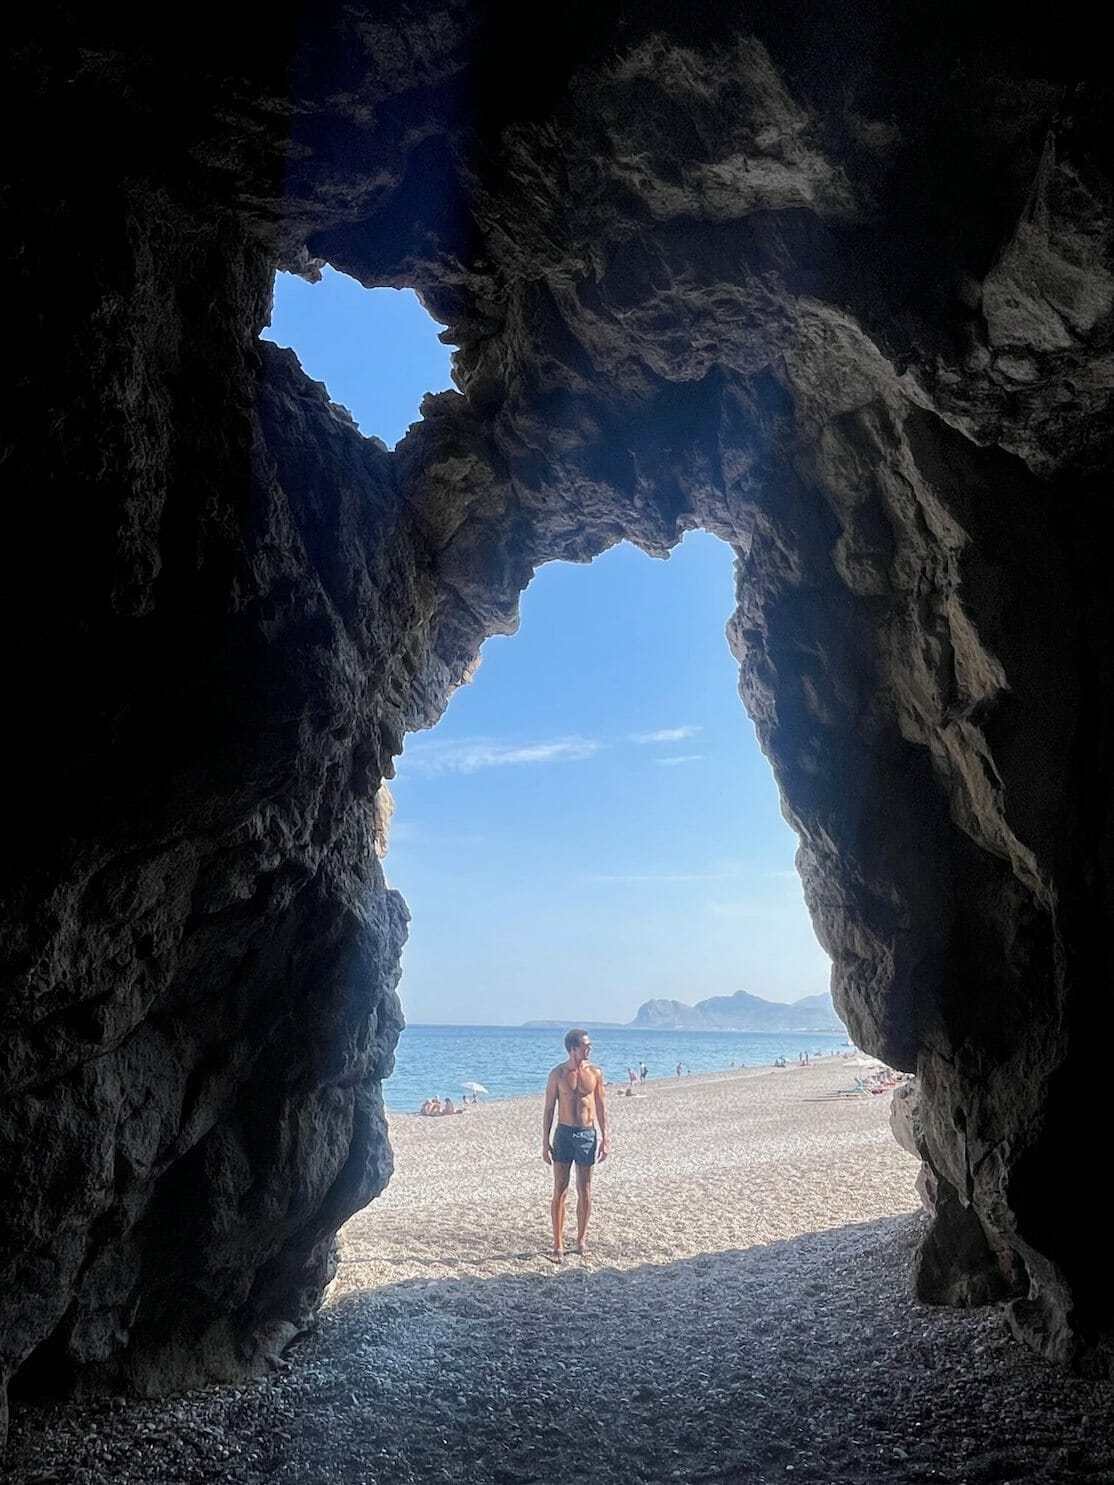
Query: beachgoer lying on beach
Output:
(575,1090)
(857,1087)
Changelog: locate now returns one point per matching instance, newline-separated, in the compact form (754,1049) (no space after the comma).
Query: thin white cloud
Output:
(665,734)
(470,755)
(677,876)
(682,758)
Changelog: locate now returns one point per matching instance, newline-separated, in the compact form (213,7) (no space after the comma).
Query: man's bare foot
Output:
(581,1248)
(556,1256)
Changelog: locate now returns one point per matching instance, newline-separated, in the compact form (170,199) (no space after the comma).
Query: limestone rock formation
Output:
(962,1261)
(742,1012)
(833,283)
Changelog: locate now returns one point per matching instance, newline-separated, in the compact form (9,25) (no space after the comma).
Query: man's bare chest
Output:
(577,1087)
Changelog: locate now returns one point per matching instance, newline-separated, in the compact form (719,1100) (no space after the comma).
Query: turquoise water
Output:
(514,1060)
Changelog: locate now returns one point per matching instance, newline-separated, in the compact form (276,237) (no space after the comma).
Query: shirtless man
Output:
(575,1090)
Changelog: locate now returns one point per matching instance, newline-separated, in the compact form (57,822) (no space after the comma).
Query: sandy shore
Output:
(744,1316)
(700,1165)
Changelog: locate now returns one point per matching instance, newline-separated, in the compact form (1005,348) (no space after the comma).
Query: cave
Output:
(834,285)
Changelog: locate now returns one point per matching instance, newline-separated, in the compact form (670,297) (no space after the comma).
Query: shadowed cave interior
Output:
(836,288)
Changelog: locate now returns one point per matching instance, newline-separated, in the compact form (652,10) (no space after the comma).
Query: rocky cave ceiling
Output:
(832,283)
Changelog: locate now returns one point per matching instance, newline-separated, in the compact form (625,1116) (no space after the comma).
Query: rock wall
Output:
(834,287)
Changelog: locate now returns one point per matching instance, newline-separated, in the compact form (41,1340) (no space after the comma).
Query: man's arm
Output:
(547,1119)
(601,1116)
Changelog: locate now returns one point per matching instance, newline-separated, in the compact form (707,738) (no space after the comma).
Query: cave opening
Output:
(591,836)
(378,351)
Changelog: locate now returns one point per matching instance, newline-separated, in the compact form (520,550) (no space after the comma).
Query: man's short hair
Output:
(574,1037)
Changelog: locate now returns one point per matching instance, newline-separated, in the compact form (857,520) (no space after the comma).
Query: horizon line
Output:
(550,1023)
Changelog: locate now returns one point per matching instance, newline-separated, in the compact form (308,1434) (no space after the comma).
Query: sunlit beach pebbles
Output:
(700,1165)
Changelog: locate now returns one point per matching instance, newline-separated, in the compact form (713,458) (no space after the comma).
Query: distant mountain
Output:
(740,1012)
(674,1015)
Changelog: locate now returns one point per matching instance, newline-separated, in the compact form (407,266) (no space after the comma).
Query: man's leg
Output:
(583,1204)
(557,1207)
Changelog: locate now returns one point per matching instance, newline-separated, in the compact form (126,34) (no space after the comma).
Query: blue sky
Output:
(592,822)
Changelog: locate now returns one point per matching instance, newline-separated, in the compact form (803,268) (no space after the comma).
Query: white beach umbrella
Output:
(474,1087)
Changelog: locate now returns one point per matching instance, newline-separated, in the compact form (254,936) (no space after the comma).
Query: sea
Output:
(509,1061)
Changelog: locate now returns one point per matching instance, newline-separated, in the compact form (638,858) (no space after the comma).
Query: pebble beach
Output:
(699,1165)
(743,1315)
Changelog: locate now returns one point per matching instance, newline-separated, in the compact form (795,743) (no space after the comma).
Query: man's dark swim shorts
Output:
(571,1144)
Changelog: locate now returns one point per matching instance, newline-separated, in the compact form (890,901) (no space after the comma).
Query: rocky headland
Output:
(738,1012)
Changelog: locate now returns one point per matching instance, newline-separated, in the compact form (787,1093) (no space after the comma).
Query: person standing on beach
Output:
(641,1071)
(575,1090)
